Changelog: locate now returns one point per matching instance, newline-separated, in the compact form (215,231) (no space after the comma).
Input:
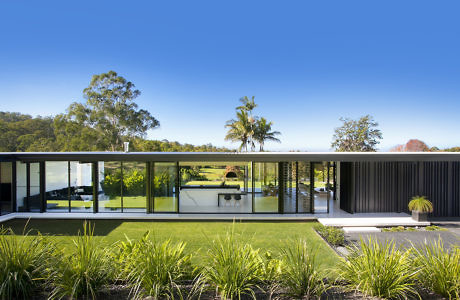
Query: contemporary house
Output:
(229,183)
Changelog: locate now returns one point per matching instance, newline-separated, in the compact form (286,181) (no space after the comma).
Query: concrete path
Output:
(379,221)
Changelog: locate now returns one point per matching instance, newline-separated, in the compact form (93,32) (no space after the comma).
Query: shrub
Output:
(435,228)
(155,269)
(300,273)
(420,204)
(134,183)
(24,263)
(235,269)
(111,184)
(379,270)
(333,235)
(83,271)
(439,268)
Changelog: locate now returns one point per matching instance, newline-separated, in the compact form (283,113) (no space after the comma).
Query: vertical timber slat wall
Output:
(388,186)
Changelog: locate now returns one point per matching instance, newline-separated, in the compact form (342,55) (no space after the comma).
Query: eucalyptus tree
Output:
(360,135)
(263,132)
(111,111)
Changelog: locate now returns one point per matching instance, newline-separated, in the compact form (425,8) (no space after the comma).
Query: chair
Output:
(237,199)
(227,199)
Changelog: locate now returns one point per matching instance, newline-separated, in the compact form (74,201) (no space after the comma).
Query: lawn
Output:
(198,235)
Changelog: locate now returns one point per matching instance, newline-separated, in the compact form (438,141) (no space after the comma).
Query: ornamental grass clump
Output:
(25,263)
(379,270)
(439,268)
(300,273)
(420,204)
(333,235)
(84,270)
(156,269)
(235,268)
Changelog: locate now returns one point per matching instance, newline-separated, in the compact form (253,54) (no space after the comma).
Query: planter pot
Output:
(419,216)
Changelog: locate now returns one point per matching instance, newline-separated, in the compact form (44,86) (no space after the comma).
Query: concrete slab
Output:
(371,222)
(360,229)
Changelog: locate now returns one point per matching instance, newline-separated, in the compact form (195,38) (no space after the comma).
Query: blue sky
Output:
(307,62)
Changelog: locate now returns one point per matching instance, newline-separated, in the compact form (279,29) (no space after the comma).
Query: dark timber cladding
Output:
(388,186)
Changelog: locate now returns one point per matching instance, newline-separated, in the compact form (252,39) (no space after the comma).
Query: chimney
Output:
(126,147)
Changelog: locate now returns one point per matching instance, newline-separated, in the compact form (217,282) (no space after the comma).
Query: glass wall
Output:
(289,189)
(321,187)
(164,187)
(110,178)
(266,187)
(57,186)
(81,187)
(215,187)
(6,174)
(21,186)
(134,187)
(303,190)
(34,197)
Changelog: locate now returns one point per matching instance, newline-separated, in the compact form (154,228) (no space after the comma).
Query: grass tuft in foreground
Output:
(379,270)
(300,273)
(439,269)
(85,270)
(24,263)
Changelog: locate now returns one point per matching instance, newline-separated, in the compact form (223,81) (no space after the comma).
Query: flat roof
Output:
(229,156)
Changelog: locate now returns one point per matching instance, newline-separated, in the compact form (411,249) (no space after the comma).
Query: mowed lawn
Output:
(198,235)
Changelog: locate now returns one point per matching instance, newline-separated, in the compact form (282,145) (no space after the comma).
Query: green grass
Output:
(198,235)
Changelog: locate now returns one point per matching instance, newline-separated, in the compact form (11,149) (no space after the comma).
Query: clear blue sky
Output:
(307,62)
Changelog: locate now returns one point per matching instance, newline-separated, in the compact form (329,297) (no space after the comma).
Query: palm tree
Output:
(262,133)
(248,105)
(240,130)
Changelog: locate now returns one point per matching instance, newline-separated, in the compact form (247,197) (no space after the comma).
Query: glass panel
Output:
(289,188)
(164,187)
(21,186)
(215,187)
(5,187)
(110,177)
(266,187)
(34,199)
(304,204)
(81,187)
(321,191)
(134,187)
(57,186)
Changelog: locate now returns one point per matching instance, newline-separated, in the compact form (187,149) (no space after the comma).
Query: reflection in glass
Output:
(57,186)
(164,187)
(266,187)
(81,187)
(6,169)
(134,187)
(110,178)
(304,199)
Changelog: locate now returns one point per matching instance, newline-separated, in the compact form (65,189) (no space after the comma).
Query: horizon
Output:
(307,64)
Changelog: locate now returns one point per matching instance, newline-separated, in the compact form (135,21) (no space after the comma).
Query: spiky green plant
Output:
(24,263)
(156,269)
(420,204)
(379,270)
(300,273)
(235,268)
(84,270)
(439,268)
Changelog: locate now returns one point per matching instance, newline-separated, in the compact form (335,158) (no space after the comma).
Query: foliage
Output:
(379,270)
(154,269)
(333,235)
(110,110)
(435,228)
(300,273)
(412,145)
(248,129)
(111,185)
(420,204)
(134,182)
(439,269)
(235,269)
(24,264)
(357,135)
(83,271)
(398,229)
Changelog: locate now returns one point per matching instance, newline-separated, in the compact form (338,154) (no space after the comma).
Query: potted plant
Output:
(420,207)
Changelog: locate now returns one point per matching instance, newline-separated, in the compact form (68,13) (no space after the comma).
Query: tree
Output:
(240,130)
(412,145)
(357,135)
(111,111)
(263,133)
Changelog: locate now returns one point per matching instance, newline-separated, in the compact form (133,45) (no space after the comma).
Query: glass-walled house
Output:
(228,183)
